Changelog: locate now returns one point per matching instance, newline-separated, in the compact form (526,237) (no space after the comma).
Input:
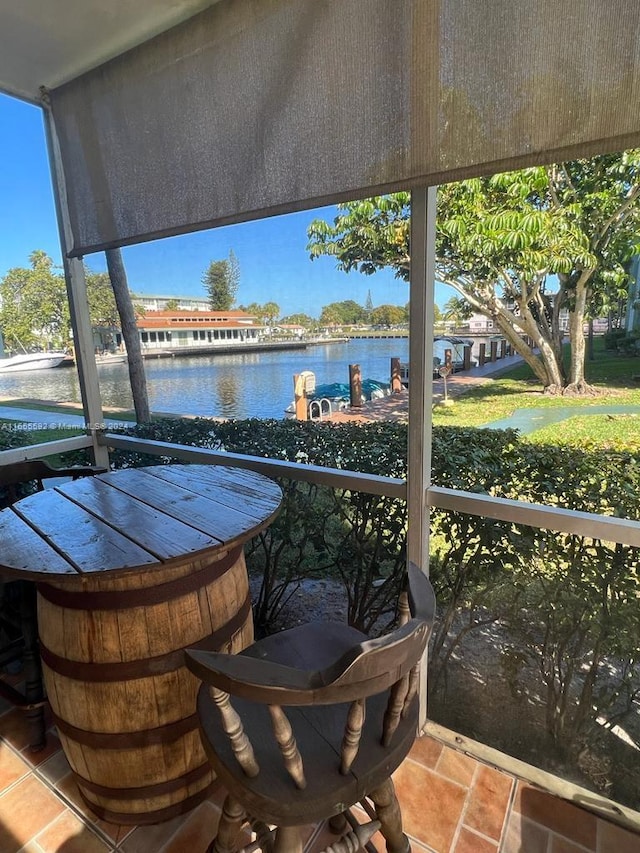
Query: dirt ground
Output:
(489,694)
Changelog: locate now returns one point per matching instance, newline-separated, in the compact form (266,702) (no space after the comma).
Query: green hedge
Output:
(572,602)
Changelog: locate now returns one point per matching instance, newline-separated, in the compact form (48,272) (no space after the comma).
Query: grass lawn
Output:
(617,432)
(612,375)
(121,414)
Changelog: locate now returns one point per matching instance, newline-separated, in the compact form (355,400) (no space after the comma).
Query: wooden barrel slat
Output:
(94,642)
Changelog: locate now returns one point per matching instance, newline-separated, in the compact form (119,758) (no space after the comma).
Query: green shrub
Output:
(574,600)
(612,338)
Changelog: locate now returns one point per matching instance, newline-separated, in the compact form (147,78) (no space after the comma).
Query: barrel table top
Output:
(133,520)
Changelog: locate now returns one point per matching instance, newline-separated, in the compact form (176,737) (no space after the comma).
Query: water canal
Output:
(230,386)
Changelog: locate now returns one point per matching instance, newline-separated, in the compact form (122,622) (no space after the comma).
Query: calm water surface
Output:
(229,386)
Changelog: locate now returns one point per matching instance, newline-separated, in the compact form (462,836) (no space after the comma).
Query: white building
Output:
(151,302)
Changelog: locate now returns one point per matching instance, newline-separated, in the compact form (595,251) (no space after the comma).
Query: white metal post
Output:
(77,295)
(421,322)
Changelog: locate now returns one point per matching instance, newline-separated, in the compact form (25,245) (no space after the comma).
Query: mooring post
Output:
(482,354)
(396,378)
(355,385)
(494,350)
(467,357)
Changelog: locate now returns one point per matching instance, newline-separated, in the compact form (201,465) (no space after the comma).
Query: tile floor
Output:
(451,804)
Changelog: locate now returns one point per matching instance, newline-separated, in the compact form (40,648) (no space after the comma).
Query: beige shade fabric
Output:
(256,107)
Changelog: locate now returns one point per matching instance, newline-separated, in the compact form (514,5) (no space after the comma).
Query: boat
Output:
(111,358)
(32,361)
(335,397)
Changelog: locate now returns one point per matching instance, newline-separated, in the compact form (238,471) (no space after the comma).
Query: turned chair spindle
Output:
(351,711)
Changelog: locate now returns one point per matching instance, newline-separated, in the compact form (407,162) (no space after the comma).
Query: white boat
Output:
(32,361)
(111,358)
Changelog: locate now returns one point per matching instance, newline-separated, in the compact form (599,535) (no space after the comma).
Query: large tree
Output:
(502,240)
(345,313)
(34,310)
(388,315)
(221,281)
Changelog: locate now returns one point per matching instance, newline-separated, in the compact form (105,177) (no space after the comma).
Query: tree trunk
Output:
(577,385)
(545,366)
(137,377)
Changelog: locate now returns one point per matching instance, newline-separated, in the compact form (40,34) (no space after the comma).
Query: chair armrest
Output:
(250,677)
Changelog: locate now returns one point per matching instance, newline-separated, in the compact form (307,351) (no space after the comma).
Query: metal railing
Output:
(607,528)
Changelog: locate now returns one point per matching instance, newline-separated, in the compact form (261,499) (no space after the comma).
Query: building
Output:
(197,331)
(151,302)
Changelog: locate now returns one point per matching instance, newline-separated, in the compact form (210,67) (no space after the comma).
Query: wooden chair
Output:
(324,754)
(18,619)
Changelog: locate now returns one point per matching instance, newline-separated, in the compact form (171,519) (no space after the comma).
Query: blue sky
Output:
(274,264)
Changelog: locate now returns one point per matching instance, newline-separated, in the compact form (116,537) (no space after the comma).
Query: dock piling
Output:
(396,377)
(355,386)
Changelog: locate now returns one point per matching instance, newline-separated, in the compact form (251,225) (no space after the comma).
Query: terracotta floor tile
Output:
(561,817)
(614,839)
(54,768)
(12,766)
(488,802)
(469,842)
(68,789)
(563,845)
(456,766)
(31,847)
(431,806)
(151,839)
(197,831)
(37,758)
(70,834)
(25,810)
(13,729)
(524,836)
(426,750)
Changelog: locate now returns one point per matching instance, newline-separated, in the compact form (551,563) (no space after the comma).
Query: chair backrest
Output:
(369,667)
(36,470)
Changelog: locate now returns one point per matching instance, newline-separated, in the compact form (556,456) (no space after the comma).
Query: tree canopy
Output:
(35,307)
(265,313)
(388,315)
(221,281)
(345,313)
(519,247)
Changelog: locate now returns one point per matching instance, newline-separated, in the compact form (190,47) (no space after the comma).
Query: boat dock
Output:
(396,406)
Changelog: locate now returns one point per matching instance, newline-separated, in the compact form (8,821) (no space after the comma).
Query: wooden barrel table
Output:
(133,567)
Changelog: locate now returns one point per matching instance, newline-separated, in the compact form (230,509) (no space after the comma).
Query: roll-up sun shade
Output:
(257,107)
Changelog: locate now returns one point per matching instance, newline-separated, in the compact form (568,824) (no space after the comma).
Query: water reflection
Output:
(228,396)
(230,386)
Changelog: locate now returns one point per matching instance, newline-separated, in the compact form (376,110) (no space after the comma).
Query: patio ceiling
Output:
(49,42)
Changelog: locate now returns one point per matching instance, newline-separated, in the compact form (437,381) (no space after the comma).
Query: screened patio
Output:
(168,117)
